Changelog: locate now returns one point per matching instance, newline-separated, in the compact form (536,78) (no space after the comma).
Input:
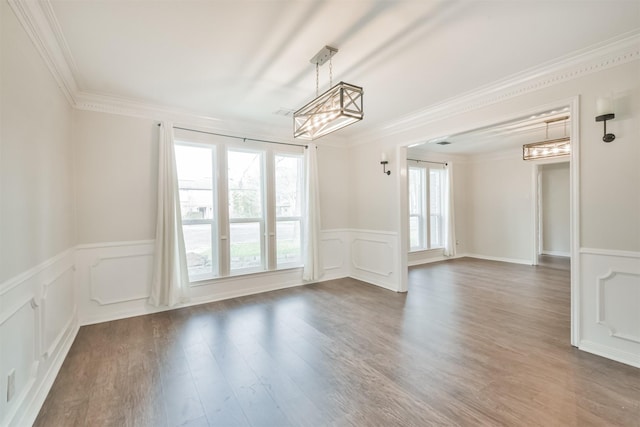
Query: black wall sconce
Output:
(384,162)
(605,112)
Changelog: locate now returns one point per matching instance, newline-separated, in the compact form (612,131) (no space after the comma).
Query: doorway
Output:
(479,138)
(552,214)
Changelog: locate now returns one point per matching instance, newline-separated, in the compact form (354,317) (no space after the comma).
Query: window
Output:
(426,195)
(195,167)
(288,210)
(241,206)
(246,210)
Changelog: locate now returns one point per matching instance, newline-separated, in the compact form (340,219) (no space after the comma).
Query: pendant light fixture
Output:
(336,108)
(550,147)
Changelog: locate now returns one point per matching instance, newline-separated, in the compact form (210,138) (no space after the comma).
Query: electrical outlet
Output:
(11,384)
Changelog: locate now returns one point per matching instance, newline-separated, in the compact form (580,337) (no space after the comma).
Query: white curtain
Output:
(448,214)
(170,279)
(311,253)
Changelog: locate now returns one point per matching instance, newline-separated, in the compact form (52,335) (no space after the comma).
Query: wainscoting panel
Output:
(375,258)
(38,322)
(611,304)
(114,279)
(335,253)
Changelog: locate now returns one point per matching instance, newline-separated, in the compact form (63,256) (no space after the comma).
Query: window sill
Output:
(415,251)
(240,276)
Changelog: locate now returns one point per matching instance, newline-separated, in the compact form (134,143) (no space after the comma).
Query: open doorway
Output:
(493,192)
(552,239)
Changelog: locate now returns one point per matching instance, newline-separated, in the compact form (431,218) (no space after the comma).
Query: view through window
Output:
(426,195)
(233,202)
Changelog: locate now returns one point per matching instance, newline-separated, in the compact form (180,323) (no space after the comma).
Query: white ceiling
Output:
(503,137)
(245,60)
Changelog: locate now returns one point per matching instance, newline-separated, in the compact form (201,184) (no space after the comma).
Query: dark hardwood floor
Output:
(472,343)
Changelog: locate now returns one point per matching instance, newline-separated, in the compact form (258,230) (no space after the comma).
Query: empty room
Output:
(319,213)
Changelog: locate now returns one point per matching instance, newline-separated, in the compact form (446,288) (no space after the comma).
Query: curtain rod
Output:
(427,161)
(239,137)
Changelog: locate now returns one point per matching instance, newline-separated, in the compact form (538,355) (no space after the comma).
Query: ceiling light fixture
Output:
(550,147)
(336,108)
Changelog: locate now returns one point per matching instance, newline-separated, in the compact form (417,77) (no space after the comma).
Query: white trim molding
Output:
(499,259)
(40,23)
(610,252)
(38,315)
(608,54)
(601,311)
(611,311)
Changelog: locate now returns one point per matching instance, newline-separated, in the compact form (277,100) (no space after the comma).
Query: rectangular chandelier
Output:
(338,107)
(547,149)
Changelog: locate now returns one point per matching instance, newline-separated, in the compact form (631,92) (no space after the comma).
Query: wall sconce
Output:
(384,162)
(605,112)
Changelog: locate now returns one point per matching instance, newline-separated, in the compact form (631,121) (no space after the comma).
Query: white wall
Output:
(555,197)
(36,214)
(499,215)
(37,301)
(116,172)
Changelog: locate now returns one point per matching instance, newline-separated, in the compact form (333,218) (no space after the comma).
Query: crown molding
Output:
(39,22)
(611,53)
(109,104)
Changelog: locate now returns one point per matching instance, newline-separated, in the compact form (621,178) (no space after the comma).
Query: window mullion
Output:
(270,220)
(224,258)
(427,204)
(215,249)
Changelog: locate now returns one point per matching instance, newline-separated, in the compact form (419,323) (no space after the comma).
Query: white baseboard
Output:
(374,282)
(430,260)
(426,261)
(557,253)
(500,259)
(610,353)
(36,402)
(145,308)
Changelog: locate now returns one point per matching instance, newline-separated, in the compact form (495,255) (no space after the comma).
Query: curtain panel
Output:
(170,278)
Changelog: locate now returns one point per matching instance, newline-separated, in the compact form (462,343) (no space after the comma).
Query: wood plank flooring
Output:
(472,343)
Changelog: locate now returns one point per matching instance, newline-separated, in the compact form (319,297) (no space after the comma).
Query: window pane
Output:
(245,184)
(197,241)
(288,186)
(414,232)
(435,192)
(195,172)
(288,243)
(245,245)
(415,190)
(436,231)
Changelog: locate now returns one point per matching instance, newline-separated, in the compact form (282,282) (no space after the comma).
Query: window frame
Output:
(424,218)
(260,220)
(214,222)
(221,242)
(299,218)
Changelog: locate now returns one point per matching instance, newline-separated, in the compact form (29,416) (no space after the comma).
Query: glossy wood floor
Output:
(472,343)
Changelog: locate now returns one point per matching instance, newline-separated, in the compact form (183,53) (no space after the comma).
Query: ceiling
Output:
(506,137)
(249,60)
